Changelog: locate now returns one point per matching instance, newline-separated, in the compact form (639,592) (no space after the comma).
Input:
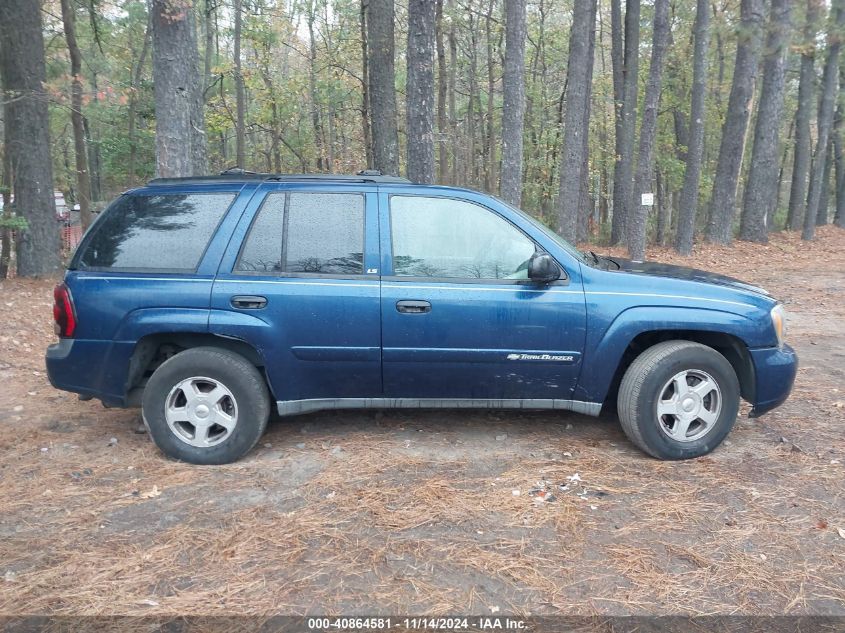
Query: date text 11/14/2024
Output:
(475,623)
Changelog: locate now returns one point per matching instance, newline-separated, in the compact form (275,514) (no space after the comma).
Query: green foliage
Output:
(13,222)
(286,89)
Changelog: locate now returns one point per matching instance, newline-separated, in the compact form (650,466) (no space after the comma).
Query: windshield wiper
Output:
(595,257)
(601,260)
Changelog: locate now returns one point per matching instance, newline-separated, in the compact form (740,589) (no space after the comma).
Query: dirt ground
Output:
(417,512)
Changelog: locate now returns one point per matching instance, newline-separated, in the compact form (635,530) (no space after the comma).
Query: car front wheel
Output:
(206,406)
(678,400)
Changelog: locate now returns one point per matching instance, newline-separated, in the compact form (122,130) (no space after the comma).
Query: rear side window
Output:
(321,233)
(163,233)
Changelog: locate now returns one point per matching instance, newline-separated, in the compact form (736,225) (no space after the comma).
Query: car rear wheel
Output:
(678,400)
(206,406)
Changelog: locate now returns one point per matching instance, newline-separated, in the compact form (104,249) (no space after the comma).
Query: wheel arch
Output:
(153,349)
(728,345)
(611,350)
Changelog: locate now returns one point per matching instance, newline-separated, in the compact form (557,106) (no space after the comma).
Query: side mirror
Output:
(543,269)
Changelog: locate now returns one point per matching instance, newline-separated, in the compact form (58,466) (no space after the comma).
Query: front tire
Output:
(206,406)
(678,400)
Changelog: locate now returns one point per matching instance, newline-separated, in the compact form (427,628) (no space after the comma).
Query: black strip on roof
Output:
(239,175)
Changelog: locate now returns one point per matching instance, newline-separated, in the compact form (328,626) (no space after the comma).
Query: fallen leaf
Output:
(154,492)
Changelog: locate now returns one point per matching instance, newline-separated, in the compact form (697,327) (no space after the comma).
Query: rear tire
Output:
(206,406)
(678,400)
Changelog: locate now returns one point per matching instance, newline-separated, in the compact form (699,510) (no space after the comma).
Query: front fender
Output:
(607,341)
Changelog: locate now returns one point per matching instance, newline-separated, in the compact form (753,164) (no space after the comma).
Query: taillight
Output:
(63,313)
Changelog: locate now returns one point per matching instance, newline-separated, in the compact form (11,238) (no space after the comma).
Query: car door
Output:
(294,283)
(460,318)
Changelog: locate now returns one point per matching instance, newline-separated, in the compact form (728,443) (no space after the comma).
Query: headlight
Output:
(779,322)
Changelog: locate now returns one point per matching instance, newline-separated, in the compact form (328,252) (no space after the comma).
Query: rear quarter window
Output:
(166,233)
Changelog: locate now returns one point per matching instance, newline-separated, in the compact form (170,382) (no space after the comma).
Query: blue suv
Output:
(207,301)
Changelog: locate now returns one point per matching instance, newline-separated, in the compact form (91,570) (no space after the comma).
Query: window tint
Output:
(438,237)
(263,249)
(317,233)
(165,232)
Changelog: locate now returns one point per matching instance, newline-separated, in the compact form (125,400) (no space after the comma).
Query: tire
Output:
(206,406)
(661,406)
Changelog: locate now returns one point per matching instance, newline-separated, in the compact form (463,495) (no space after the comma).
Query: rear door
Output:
(460,319)
(300,282)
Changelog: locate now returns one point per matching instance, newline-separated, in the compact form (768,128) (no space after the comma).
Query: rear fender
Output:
(146,321)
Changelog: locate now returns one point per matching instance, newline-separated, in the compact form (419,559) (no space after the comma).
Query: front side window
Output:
(320,233)
(441,237)
(167,232)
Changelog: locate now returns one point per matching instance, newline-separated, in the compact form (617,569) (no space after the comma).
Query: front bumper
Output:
(774,375)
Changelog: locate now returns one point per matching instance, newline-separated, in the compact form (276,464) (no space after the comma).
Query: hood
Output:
(682,272)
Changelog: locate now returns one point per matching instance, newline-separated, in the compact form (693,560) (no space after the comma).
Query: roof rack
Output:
(235,174)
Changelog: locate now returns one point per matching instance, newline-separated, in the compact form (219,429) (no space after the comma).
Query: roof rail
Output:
(236,174)
(237,171)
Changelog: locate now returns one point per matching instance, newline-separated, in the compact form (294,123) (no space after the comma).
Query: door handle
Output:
(407,306)
(248,302)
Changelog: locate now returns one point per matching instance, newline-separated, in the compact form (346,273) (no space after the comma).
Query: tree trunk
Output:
(585,203)
(180,125)
(732,145)
(365,87)
(623,171)
(263,57)
(442,85)
(133,104)
(770,218)
(93,160)
(5,193)
(573,160)
(664,210)
(27,123)
(209,18)
(331,131)
(473,90)
(825,122)
(83,178)
(91,140)
(824,197)
(420,91)
(637,212)
(489,141)
(617,63)
(240,98)
(803,116)
(380,17)
(323,164)
(513,102)
(761,184)
(692,173)
(838,152)
(453,108)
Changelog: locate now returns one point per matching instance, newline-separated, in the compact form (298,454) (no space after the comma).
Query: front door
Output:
(460,318)
(304,291)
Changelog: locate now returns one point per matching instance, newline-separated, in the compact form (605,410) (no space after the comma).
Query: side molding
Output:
(296,407)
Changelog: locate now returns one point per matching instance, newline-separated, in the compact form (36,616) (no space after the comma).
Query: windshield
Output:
(557,239)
